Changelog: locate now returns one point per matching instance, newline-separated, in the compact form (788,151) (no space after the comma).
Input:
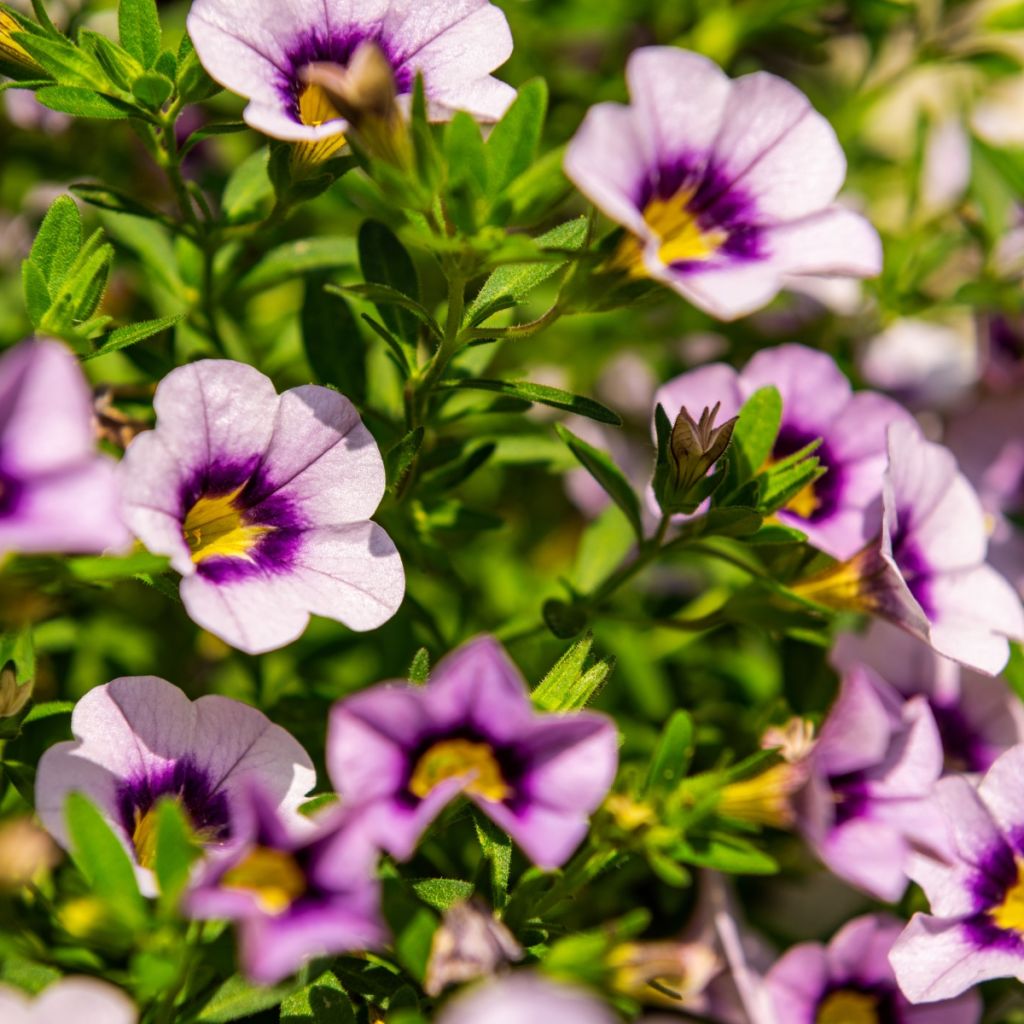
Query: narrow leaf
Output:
(384,261)
(132,334)
(512,145)
(138,25)
(332,340)
(554,397)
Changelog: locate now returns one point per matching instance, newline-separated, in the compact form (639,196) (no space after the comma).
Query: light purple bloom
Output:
(725,186)
(526,996)
(978,717)
(56,492)
(262,502)
(295,895)
(82,1000)
(871,773)
(259,50)
(139,738)
(976,889)
(850,980)
(840,511)
(410,750)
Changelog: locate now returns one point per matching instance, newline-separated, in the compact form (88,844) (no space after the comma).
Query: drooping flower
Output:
(840,511)
(526,996)
(411,750)
(139,739)
(978,717)
(926,572)
(57,494)
(82,1000)
(975,887)
(262,502)
(724,186)
(261,51)
(849,981)
(294,894)
(865,806)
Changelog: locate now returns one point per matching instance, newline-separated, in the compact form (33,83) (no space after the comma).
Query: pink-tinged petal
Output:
(486,99)
(323,457)
(45,409)
(953,535)
(914,762)
(812,387)
(215,410)
(842,534)
(678,99)
(701,389)
(963,1009)
(548,836)
(858,730)
(860,429)
(936,958)
(605,160)
(397,824)
(992,710)
(84,1001)
(269,117)
(727,293)
(77,511)
(869,855)
(860,949)
(525,996)
(920,473)
(15,1006)
(797,981)
(835,241)
(1001,790)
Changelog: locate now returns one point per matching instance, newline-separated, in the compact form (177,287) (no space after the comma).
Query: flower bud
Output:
(13,695)
(690,450)
(664,973)
(10,49)
(766,798)
(470,943)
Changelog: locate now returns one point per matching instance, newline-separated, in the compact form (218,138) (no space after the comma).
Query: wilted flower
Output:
(469,943)
(526,996)
(140,739)
(82,1000)
(56,492)
(849,981)
(927,572)
(840,510)
(724,186)
(263,52)
(295,895)
(975,886)
(410,750)
(262,502)
(978,717)
(664,973)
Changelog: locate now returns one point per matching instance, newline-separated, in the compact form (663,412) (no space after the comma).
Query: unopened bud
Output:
(365,88)
(13,695)
(767,798)
(25,851)
(10,49)
(665,973)
(694,446)
(470,943)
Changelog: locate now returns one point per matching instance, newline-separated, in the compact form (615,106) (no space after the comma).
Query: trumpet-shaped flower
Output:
(262,502)
(849,981)
(140,739)
(976,889)
(294,894)
(56,492)
(839,512)
(927,571)
(724,186)
(82,1000)
(410,750)
(978,717)
(263,50)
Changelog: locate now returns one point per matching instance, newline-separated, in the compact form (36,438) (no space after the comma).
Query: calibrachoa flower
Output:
(410,750)
(262,503)
(978,717)
(261,51)
(927,572)
(139,739)
(840,511)
(849,981)
(294,894)
(525,996)
(865,805)
(723,186)
(82,1000)
(976,889)
(56,492)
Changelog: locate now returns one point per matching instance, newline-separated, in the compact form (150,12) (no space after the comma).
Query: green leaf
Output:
(612,480)
(37,295)
(69,99)
(68,64)
(103,569)
(194,84)
(112,199)
(419,670)
(209,131)
(384,295)
(332,340)
(512,145)
(554,397)
(103,861)
(121,67)
(571,684)
(464,150)
(132,334)
(726,853)
(395,349)
(399,459)
(754,436)
(152,89)
(248,188)
(138,25)
(17,647)
(448,477)
(384,261)
(322,1002)
(672,755)
(496,847)
(294,259)
(58,241)
(176,852)
(237,998)
(441,893)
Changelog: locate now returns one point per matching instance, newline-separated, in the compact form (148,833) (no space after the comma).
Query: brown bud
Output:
(13,695)
(696,445)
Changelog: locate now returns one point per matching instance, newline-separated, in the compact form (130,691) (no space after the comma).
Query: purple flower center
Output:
(819,500)
(851,795)
(997,888)
(964,749)
(912,563)
(11,491)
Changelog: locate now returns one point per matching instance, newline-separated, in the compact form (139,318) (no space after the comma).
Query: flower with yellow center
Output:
(272,876)
(215,527)
(848,1007)
(450,759)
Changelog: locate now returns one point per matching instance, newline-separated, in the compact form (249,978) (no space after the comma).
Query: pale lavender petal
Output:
(486,99)
(15,1006)
(860,949)
(859,430)
(701,389)
(1001,790)
(857,732)
(869,855)
(548,836)
(84,1001)
(525,996)
(727,293)
(835,241)
(914,762)
(797,981)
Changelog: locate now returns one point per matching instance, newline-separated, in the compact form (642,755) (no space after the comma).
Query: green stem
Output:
(449,345)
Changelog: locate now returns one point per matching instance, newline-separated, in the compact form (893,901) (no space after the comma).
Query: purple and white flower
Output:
(260,50)
(978,717)
(724,186)
(82,1000)
(57,494)
(526,996)
(262,502)
(840,511)
(139,739)
(850,980)
(976,889)
(865,805)
(294,894)
(927,571)
(410,750)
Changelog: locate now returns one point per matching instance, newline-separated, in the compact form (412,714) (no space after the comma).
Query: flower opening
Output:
(453,758)
(216,527)
(273,876)
(847,1006)
(1009,914)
